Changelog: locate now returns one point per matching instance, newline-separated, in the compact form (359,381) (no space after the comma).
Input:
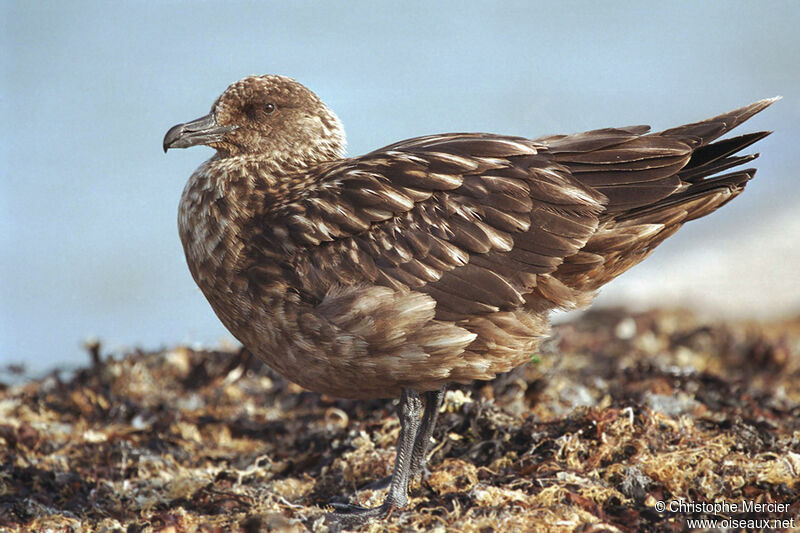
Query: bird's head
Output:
(270,116)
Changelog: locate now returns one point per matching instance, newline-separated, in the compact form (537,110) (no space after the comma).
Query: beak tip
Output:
(173,135)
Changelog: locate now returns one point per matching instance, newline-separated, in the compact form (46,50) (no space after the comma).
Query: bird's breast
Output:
(211,225)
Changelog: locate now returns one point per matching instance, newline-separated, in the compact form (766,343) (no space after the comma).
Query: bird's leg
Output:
(349,516)
(422,440)
(433,401)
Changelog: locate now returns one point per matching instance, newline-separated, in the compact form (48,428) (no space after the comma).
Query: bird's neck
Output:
(227,197)
(223,212)
(277,164)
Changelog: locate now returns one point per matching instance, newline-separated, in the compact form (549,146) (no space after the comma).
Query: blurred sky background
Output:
(88,201)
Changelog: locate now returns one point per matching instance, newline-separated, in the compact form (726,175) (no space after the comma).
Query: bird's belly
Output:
(302,342)
(368,342)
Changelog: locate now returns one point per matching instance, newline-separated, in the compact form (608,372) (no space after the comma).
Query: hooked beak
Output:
(203,130)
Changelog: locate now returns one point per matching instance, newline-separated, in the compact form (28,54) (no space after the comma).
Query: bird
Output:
(433,260)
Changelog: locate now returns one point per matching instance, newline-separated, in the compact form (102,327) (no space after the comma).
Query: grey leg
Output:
(433,401)
(350,516)
(422,440)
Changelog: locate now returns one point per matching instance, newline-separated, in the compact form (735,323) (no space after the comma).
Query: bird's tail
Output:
(628,235)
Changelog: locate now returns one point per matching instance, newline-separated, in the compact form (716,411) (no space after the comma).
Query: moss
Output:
(629,409)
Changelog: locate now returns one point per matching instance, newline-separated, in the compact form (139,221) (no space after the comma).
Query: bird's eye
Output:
(269,108)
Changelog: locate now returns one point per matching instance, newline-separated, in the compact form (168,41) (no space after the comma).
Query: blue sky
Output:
(88,238)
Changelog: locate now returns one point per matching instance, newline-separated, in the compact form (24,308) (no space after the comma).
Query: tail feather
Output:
(639,217)
(704,132)
(732,183)
(693,175)
(711,153)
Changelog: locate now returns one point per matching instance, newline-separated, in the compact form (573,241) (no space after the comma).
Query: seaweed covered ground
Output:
(618,414)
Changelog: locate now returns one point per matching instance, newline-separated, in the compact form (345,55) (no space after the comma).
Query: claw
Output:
(412,445)
(349,516)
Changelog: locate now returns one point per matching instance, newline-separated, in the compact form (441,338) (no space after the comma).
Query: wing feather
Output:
(486,223)
(447,215)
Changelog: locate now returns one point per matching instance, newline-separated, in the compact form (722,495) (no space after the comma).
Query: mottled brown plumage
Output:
(434,259)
